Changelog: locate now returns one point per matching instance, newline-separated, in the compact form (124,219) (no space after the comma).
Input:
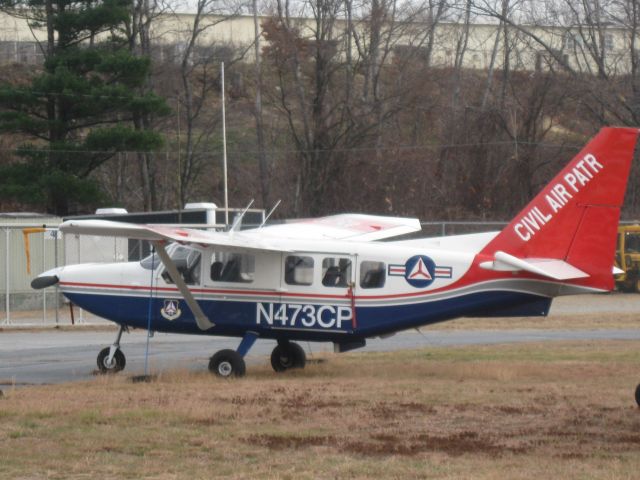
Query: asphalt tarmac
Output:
(57,356)
(53,356)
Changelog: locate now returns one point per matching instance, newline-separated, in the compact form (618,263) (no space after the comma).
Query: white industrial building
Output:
(170,34)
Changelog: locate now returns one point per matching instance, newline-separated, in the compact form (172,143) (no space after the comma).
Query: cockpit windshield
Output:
(150,262)
(187,261)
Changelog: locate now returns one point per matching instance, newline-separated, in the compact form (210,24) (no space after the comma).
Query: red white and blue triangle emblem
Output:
(420,271)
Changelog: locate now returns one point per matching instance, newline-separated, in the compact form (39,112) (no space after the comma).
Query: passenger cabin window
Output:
(336,272)
(372,274)
(298,270)
(232,267)
(187,262)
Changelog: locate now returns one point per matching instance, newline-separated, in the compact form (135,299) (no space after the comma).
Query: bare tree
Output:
(595,42)
(265,173)
(199,81)
(336,87)
(138,30)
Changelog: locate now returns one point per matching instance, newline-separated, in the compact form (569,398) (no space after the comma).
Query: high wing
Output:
(348,227)
(153,233)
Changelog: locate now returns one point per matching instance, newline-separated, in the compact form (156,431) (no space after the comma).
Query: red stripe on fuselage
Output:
(200,290)
(473,275)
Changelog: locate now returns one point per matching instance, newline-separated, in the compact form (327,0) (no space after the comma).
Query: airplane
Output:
(334,279)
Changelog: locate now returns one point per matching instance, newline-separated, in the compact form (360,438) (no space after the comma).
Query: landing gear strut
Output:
(111,359)
(287,355)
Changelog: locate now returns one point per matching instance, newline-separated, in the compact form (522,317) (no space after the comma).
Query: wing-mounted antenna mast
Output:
(238,220)
(269,214)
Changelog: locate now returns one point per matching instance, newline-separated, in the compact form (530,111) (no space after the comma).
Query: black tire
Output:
(300,358)
(288,355)
(118,363)
(638,394)
(227,364)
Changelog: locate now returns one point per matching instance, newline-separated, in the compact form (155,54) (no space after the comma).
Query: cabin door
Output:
(316,292)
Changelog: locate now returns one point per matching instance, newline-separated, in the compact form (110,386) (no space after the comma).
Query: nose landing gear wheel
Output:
(116,364)
(288,355)
(227,363)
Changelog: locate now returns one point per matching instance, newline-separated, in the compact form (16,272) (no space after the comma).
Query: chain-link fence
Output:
(30,250)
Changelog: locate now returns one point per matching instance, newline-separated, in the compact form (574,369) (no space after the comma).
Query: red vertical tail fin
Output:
(574,219)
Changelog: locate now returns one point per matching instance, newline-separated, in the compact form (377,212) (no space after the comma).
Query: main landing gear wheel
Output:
(288,355)
(116,364)
(638,394)
(227,363)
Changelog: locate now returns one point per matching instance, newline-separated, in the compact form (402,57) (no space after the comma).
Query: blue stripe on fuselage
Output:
(235,318)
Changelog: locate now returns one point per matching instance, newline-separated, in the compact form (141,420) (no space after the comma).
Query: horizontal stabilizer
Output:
(546,267)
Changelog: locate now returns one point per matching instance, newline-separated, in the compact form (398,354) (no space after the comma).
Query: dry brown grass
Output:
(534,411)
(582,321)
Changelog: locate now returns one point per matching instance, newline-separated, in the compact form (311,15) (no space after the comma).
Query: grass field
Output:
(584,321)
(553,410)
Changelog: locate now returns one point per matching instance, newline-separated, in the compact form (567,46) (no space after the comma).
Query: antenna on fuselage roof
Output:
(238,220)
(269,214)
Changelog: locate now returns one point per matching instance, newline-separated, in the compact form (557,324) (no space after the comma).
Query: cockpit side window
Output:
(232,267)
(187,262)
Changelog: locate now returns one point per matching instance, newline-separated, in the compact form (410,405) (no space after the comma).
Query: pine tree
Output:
(77,111)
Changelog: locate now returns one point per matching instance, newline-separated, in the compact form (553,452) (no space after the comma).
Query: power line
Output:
(72,94)
(275,152)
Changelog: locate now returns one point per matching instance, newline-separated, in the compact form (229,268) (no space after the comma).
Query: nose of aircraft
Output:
(46,279)
(42,281)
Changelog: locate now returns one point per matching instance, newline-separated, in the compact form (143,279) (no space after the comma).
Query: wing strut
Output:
(201,319)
